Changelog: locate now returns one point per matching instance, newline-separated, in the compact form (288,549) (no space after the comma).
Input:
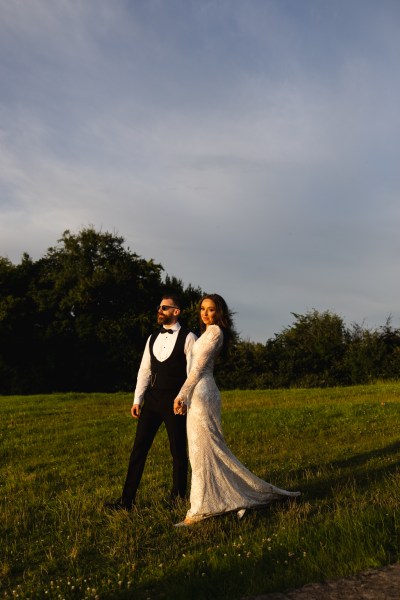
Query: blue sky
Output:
(249,146)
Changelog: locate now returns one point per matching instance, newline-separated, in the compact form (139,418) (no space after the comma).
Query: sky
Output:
(249,146)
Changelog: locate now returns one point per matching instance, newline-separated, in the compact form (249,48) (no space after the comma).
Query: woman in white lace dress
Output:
(220,483)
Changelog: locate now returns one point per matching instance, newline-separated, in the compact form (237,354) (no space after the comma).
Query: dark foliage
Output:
(316,351)
(78,318)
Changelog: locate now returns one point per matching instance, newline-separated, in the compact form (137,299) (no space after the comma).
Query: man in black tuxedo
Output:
(161,374)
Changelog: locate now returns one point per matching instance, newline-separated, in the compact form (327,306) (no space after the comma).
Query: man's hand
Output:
(135,411)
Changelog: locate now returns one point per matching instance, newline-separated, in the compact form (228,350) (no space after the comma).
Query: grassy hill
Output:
(62,456)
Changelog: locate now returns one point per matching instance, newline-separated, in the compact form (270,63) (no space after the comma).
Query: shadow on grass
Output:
(357,467)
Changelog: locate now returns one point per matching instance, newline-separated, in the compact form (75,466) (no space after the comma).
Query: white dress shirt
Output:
(162,349)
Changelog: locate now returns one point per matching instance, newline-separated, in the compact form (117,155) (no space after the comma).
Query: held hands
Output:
(180,407)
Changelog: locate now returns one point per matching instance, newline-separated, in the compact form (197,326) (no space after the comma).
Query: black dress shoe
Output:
(120,504)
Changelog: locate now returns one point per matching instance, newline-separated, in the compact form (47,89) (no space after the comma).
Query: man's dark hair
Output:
(174,297)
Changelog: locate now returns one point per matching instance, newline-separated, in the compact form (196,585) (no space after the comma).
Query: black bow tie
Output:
(163,330)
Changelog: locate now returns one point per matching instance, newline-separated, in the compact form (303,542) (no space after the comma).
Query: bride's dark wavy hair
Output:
(223,318)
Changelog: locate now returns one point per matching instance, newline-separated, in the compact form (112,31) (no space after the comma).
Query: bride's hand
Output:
(179,407)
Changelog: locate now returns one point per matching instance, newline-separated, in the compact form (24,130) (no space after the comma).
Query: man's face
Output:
(167,313)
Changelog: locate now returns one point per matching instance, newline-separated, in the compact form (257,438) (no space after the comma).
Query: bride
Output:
(220,483)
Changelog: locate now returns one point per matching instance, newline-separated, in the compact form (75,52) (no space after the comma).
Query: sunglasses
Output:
(165,307)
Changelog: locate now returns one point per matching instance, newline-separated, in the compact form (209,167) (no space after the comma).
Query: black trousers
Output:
(153,414)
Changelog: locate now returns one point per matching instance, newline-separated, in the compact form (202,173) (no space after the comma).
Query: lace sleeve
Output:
(210,344)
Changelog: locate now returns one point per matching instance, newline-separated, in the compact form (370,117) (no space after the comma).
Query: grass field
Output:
(62,456)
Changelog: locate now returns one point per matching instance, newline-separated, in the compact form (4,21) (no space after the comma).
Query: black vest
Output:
(170,374)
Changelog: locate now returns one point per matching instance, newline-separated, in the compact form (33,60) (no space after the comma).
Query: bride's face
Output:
(207,312)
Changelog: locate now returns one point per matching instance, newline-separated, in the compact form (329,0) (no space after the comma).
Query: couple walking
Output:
(175,385)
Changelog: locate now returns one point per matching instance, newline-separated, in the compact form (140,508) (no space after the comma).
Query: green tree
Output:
(372,354)
(243,368)
(19,356)
(309,353)
(78,318)
(94,300)
(390,368)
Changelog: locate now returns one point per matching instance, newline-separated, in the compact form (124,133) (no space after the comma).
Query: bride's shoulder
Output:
(214,331)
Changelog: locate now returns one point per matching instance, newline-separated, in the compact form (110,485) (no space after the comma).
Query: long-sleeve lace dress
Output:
(220,483)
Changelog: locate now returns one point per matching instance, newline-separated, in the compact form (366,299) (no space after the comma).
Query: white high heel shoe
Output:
(188,522)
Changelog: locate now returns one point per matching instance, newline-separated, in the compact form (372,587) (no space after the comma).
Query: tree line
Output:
(78,318)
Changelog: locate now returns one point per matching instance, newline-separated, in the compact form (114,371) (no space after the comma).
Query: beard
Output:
(165,320)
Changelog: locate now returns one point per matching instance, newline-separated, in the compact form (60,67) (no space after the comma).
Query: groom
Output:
(161,374)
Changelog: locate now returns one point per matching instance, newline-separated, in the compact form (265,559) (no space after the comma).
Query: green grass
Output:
(62,456)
